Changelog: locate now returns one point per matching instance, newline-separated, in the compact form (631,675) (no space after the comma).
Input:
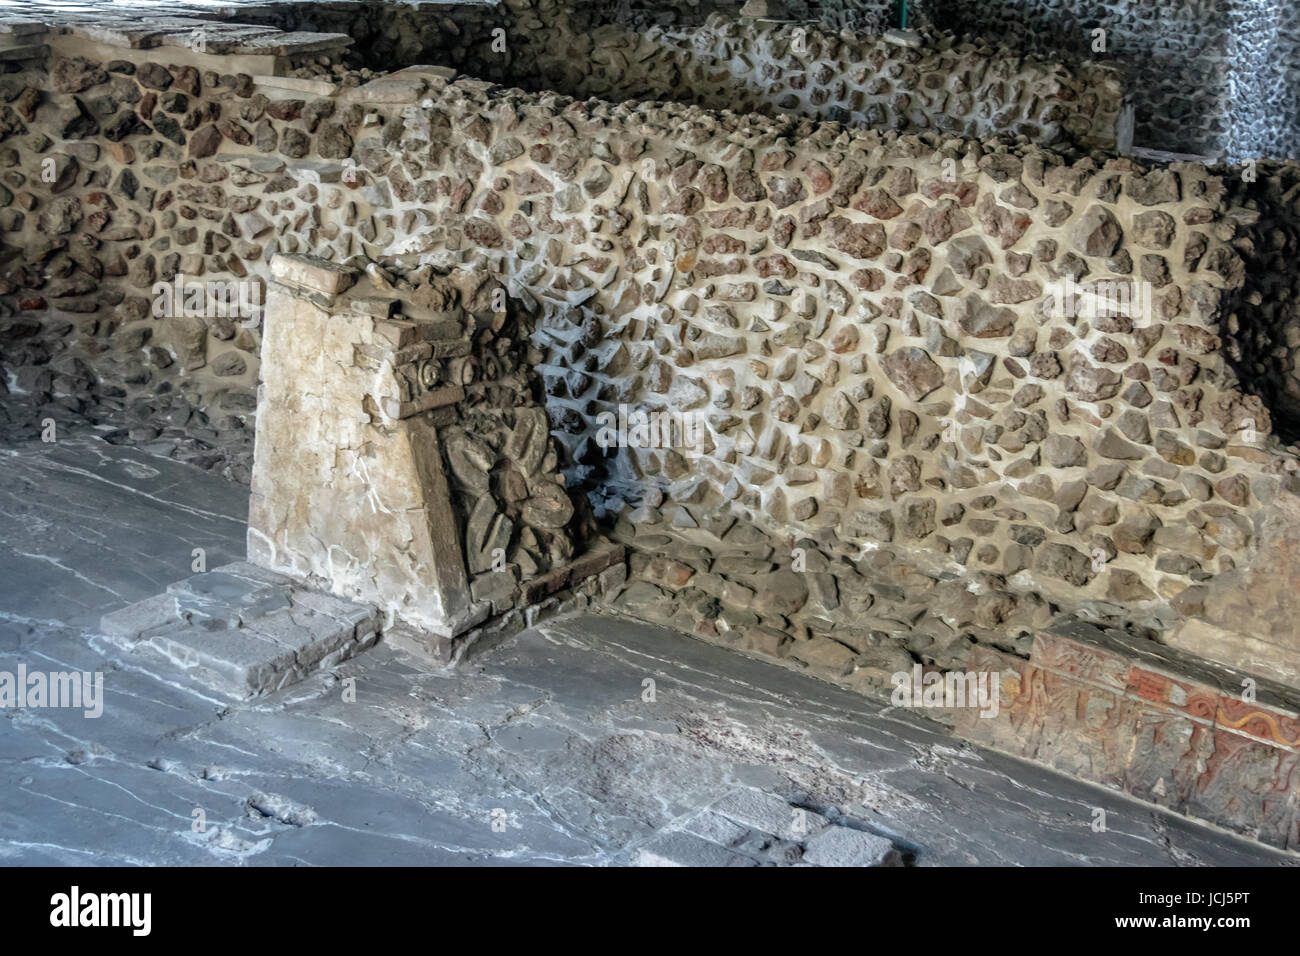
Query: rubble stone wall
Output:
(126,138)
(118,177)
(390,35)
(862,16)
(864,321)
(973,88)
(873,345)
(1208,77)
(861,80)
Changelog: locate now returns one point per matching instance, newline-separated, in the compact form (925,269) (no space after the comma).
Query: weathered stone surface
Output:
(814,301)
(1243,617)
(205,142)
(1148,721)
(1156,187)
(1064,451)
(859,240)
(1065,562)
(1091,383)
(156,519)
(242,630)
(313,273)
(317,466)
(913,372)
(1098,233)
(840,846)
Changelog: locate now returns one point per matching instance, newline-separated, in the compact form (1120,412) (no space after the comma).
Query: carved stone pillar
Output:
(348,488)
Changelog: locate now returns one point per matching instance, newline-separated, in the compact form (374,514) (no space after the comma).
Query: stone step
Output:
(1148,720)
(242,630)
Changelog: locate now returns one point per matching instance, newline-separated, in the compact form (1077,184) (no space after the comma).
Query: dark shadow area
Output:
(1261,330)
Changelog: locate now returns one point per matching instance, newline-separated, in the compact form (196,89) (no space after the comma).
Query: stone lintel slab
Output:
(130,31)
(312,272)
(242,632)
(295,84)
(265,42)
(130,35)
(404,86)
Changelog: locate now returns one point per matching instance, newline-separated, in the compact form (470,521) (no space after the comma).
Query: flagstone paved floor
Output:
(541,751)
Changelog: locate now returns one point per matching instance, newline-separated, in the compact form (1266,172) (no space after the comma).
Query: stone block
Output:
(678,848)
(840,846)
(716,828)
(128,624)
(341,496)
(596,561)
(312,272)
(242,630)
(539,587)
(904,38)
(769,813)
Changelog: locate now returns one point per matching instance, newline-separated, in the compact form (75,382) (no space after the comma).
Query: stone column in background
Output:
(348,489)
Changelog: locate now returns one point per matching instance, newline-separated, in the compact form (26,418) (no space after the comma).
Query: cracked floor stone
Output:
(545,750)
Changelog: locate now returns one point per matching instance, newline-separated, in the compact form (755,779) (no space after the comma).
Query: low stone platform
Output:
(1152,722)
(242,630)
